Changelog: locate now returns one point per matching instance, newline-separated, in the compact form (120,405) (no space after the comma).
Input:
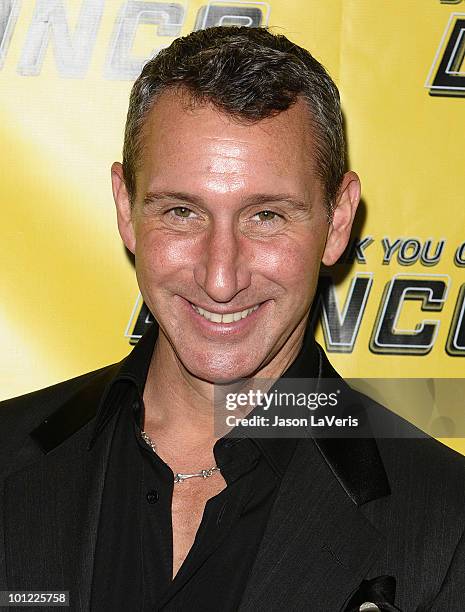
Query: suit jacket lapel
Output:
(52,504)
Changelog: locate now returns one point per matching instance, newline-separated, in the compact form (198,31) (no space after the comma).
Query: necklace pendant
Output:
(202,474)
(180,477)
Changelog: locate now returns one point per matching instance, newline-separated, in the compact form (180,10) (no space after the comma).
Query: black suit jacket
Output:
(353,518)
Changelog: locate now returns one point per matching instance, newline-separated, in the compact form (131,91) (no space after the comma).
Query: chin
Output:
(221,372)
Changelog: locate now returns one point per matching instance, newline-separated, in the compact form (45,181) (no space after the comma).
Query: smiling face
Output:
(229,227)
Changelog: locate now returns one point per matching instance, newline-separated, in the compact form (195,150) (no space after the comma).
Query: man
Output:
(231,193)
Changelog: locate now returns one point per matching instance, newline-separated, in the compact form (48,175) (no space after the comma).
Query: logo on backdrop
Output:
(447,74)
(73,47)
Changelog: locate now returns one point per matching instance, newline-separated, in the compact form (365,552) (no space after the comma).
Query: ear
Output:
(347,200)
(123,207)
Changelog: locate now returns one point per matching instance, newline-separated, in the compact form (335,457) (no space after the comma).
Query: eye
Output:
(181,212)
(267,216)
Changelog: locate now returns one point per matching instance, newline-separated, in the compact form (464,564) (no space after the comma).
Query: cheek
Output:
(290,264)
(159,254)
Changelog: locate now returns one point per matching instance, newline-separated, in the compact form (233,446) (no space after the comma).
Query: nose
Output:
(222,270)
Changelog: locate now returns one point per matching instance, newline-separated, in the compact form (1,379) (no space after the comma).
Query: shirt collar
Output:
(133,374)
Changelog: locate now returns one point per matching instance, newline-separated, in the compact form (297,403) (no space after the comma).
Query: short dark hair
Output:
(250,74)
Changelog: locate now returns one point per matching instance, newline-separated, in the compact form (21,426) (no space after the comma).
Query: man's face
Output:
(228,228)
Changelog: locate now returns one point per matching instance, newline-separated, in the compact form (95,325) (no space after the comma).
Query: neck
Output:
(179,407)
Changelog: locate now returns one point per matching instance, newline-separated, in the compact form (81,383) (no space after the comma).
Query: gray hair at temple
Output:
(249,74)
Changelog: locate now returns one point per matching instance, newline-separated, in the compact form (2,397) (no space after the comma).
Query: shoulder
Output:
(427,475)
(413,460)
(426,478)
(410,453)
(20,415)
(417,465)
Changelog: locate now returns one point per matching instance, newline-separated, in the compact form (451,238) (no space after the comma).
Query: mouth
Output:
(228,318)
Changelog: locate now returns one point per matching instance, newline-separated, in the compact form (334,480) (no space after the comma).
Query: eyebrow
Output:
(255,200)
(154,196)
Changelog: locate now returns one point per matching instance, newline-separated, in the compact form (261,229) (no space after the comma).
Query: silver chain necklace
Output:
(181,477)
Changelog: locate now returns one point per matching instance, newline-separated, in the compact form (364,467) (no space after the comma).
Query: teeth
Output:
(226,318)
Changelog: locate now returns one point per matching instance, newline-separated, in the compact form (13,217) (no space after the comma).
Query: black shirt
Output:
(134,552)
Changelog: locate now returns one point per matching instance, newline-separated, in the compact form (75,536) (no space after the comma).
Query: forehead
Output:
(182,138)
